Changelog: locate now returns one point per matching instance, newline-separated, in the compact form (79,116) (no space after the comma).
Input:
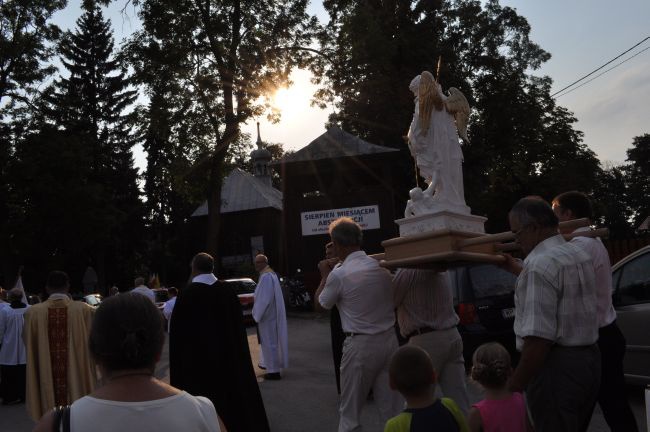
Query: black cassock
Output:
(209,355)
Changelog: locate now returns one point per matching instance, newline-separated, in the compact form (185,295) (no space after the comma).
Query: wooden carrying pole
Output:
(600,232)
(509,235)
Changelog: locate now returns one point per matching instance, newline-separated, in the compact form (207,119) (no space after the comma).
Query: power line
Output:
(603,73)
(599,68)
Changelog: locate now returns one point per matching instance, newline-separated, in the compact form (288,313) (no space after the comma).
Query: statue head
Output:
(415,85)
(416,194)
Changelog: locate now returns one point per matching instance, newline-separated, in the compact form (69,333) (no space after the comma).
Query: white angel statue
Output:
(434,142)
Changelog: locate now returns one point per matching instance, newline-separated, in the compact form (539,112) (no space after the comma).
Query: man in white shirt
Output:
(361,290)
(611,342)
(555,322)
(142,289)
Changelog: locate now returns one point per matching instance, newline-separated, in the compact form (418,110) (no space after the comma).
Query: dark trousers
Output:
(338,337)
(13,383)
(612,396)
(562,395)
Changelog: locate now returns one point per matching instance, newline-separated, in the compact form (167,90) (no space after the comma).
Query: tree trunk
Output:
(214,210)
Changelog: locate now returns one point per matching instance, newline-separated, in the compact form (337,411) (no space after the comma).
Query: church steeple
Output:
(261,158)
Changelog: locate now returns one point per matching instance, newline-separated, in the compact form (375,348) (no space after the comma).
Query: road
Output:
(305,398)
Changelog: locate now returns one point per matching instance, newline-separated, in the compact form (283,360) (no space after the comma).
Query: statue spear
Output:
(438,69)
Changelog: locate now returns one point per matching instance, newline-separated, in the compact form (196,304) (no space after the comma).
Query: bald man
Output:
(271,318)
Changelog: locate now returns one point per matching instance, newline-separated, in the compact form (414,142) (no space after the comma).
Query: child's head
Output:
(411,372)
(491,365)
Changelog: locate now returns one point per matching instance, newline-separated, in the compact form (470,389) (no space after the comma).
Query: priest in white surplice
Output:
(271,318)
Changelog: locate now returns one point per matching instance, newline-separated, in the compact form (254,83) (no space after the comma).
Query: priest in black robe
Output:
(208,350)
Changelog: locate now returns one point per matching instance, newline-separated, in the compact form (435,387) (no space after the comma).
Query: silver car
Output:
(631,298)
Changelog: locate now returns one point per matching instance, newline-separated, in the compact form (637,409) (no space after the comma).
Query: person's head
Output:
(14,295)
(572,205)
(138,281)
(126,334)
(173,292)
(261,262)
(416,194)
(533,221)
(57,282)
(113,290)
(346,236)
(202,263)
(411,372)
(491,366)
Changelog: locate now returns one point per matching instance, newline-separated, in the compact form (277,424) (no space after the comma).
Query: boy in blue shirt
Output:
(411,373)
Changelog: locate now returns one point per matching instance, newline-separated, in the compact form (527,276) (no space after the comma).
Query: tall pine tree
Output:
(92,103)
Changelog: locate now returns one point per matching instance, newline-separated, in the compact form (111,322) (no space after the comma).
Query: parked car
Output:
(92,299)
(484,301)
(245,289)
(631,298)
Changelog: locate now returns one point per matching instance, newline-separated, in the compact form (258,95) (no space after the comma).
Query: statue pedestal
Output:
(439,240)
(441,220)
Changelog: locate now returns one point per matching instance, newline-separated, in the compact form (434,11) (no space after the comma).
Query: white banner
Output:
(317,222)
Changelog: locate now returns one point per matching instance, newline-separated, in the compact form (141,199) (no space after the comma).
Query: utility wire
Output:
(602,73)
(596,70)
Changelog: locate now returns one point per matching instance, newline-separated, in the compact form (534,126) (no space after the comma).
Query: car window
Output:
(93,300)
(489,281)
(634,282)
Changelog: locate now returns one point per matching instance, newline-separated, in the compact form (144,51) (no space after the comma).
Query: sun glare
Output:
(291,101)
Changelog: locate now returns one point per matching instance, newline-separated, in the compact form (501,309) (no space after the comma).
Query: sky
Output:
(580,35)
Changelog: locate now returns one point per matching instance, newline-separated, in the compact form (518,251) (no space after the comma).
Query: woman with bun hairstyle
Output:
(501,410)
(126,341)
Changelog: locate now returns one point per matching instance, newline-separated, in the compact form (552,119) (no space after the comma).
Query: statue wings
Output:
(458,106)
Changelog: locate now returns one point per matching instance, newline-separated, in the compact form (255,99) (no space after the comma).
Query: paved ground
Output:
(305,399)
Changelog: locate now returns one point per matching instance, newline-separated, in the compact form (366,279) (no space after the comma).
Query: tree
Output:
(638,174)
(521,142)
(26,39)
(91,104)
(611,202)
(224,55)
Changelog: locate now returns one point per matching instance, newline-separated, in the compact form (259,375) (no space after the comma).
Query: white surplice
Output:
(11,336)
(270,315)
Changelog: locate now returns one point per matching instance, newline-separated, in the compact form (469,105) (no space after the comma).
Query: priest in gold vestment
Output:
(59,367)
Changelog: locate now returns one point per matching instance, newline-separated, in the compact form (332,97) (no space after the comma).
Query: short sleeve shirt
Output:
(603,270)
(361,290)
(555,297)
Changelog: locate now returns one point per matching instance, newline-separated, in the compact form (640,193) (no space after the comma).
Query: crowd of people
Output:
(394,339)
(565,327)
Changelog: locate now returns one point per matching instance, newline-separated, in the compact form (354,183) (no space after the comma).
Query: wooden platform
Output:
(440,249)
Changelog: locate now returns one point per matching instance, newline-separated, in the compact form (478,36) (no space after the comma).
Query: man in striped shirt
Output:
(425,313)
(555,322)
(611,342)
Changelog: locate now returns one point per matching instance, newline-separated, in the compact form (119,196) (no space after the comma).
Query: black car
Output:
(484,300)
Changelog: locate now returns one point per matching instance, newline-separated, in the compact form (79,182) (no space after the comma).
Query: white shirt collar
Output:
(205,278)
(353,255)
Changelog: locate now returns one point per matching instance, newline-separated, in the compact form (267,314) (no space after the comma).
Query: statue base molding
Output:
(441,220)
